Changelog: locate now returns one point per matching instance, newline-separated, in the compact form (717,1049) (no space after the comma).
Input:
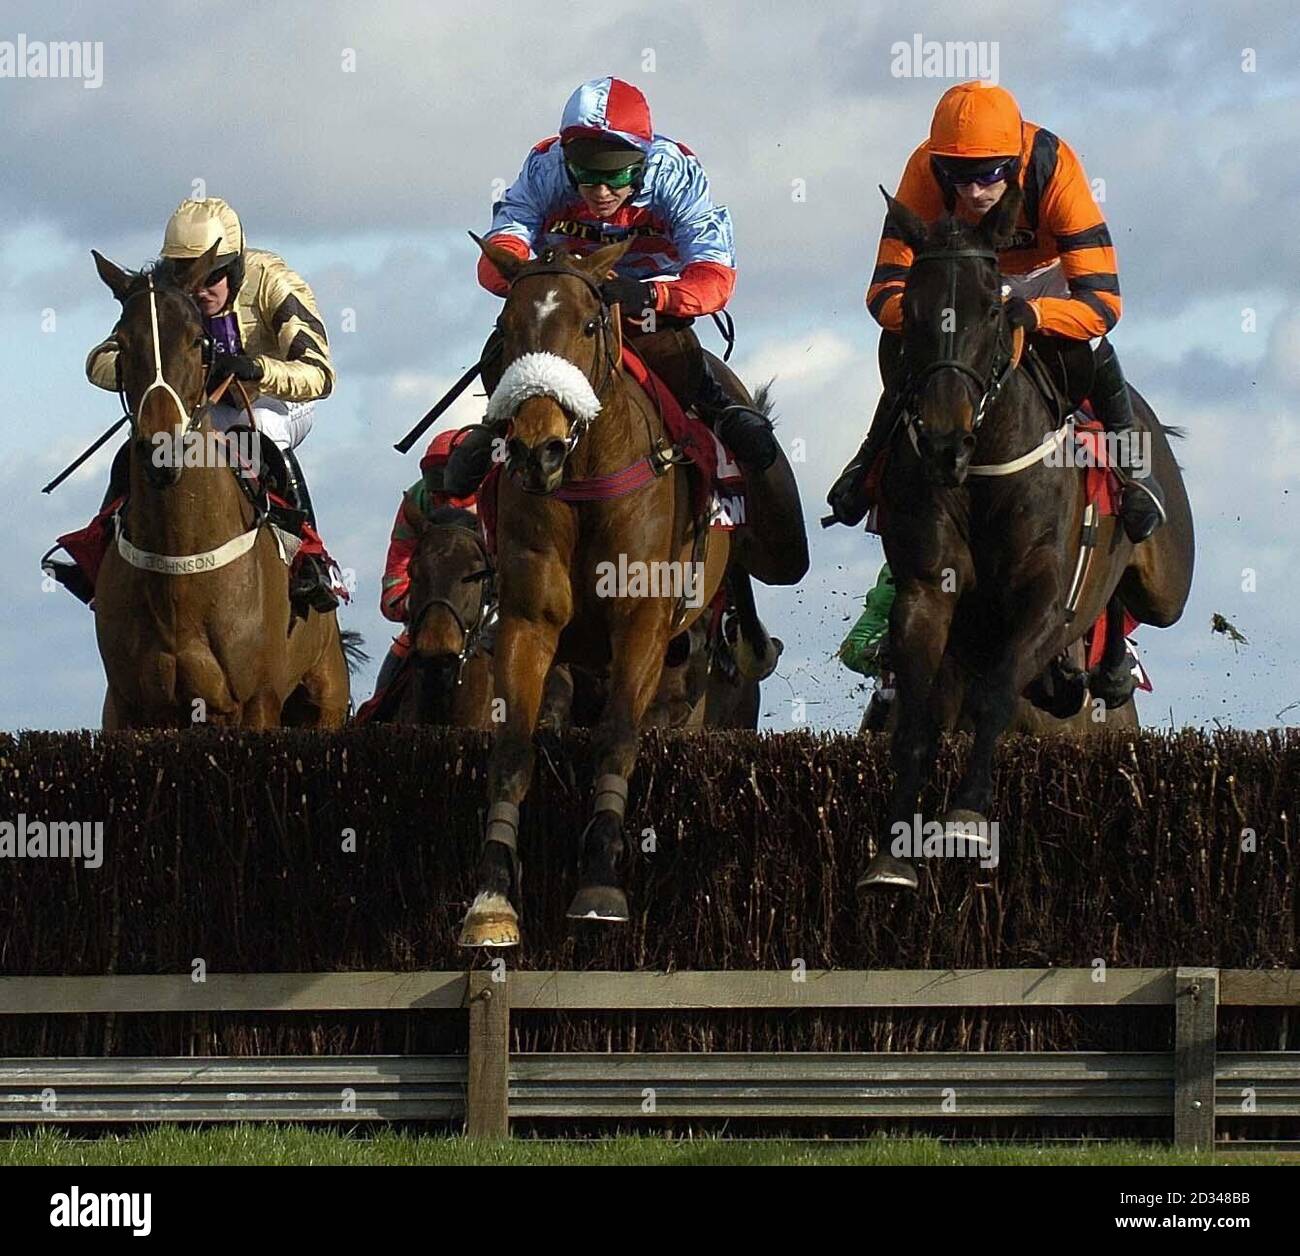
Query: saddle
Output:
(296,536)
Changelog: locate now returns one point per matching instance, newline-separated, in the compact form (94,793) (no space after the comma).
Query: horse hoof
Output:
(888,872)
(490,921)
(1113,688)
(599,902)
(971,826)
(754,665)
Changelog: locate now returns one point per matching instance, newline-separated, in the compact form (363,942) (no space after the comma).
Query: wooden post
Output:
(487,1100)
(1196,1007)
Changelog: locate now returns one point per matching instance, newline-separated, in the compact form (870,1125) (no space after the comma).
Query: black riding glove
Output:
(236,365)
(633,296)
(1021,314)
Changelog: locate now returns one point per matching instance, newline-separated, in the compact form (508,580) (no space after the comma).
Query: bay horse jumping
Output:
(192,610)
(578,427)
(982,529)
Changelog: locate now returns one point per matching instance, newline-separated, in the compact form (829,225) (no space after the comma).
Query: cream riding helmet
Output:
(199,224)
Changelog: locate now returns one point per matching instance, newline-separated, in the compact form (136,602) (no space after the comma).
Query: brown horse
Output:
(192,607)
(451,610)
(575,422)
(984,561)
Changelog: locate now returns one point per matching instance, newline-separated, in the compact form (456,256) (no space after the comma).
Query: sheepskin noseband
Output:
(544,375)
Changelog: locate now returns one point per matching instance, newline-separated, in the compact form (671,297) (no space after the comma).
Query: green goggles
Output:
(610,178)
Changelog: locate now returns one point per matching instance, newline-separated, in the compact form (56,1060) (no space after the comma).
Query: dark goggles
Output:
(623,178)
(987,177)
(222,272)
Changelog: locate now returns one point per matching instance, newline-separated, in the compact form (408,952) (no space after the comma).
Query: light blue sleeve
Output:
(522,211)
(701,230)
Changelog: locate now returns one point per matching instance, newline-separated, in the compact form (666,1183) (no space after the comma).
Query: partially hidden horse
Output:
(452,607)
(589,488)
(982,528)
(192,609)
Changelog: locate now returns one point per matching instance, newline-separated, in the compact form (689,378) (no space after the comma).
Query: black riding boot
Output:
(311,585)
(1142,509)
(848,498)
(470,460)
(742,429)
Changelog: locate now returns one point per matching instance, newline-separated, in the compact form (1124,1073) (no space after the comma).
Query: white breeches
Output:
(285,422)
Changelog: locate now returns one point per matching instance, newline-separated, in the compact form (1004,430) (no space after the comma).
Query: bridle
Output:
(485,615)
(191,418)
(1006,355)
(608,335)
(237,546)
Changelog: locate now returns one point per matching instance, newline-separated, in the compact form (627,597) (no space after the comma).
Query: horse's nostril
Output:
(552,454)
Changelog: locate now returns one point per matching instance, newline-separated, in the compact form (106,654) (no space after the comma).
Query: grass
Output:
(296,1145)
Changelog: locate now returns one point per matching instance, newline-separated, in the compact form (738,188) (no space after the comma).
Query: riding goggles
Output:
(981,178)
(610,178)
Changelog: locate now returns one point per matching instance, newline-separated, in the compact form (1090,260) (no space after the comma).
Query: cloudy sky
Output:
(362,143)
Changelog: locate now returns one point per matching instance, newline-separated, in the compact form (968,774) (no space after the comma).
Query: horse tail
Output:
(353,652)
(763,398)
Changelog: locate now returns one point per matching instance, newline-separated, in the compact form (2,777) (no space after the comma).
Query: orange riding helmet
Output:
(976,120)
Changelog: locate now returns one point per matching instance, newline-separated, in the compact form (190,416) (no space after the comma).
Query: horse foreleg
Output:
(637,654)
(918,634)
(1018,656)
(522,658)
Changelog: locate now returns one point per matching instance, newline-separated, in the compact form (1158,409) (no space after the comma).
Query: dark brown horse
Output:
(451,609)
(1092,718)
(572,415)
(984,561)
(192,606)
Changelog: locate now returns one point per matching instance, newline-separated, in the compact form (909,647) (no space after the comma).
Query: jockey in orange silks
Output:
(1060,266)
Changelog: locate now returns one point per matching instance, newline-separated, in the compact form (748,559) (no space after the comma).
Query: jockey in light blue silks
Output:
(605,177)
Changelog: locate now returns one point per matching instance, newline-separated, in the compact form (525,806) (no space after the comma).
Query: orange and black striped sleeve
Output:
(920,193)
(1071,215)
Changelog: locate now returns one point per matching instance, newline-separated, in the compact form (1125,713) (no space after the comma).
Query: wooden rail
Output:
(490,1085)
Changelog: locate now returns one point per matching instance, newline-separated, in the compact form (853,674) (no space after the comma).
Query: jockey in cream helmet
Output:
(266,331)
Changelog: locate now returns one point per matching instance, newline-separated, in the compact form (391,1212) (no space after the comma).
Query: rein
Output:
(1006,360)
(237,546)
(609,353)
(609,346)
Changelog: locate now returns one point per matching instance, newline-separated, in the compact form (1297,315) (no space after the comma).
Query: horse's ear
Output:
(416,517)
(602,261)
(190,276)
(999,225)
(503,259)
(910,226)
(117,279)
